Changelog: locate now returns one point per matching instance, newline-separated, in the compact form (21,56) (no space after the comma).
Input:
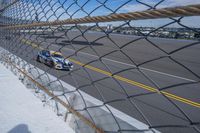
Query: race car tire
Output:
(52,64)
(38,59)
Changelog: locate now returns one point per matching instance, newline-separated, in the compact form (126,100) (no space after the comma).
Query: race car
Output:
(54,59)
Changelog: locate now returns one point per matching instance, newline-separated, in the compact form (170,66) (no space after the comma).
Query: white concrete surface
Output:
(22,112)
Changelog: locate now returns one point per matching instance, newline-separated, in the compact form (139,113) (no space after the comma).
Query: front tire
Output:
(52,64)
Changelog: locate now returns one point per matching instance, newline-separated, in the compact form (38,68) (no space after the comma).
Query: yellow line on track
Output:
(134,83)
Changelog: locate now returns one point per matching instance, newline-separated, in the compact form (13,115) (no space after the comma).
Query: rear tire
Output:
(38,59)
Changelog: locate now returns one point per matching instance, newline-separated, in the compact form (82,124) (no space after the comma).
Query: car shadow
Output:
(52,68)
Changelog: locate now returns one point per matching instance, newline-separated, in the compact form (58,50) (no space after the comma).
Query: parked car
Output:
(54,59)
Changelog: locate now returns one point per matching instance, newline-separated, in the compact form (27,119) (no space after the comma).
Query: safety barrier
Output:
(136,66)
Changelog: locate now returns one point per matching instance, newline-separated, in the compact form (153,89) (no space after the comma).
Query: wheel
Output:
(51,64)
(38,59)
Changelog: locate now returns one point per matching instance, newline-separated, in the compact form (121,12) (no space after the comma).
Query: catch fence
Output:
(136,65)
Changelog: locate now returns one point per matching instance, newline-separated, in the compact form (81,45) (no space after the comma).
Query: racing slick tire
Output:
(38,59)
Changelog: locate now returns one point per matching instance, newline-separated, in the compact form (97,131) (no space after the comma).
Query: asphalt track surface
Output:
(164,73)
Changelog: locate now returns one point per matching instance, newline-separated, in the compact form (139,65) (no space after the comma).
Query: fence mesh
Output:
(148,70)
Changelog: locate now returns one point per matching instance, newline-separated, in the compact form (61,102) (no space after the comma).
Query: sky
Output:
(50,10)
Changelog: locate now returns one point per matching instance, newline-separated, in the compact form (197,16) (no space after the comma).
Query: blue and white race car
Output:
(54,59)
